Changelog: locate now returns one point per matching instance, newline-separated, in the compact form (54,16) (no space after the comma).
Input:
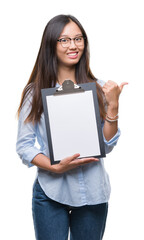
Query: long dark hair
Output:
(44,74)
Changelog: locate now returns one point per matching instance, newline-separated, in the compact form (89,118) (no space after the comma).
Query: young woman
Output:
(75,192)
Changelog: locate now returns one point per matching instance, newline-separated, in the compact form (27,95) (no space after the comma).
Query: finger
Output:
(122,85)
(71,158)
(109,83)
(81,161)
(105,88)
(90,159)
(85,160)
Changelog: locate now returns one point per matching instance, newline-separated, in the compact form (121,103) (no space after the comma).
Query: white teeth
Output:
(72,54)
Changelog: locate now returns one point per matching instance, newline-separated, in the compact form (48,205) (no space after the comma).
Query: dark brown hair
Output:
(44,74)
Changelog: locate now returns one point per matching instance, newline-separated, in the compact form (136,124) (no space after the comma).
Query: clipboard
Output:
(72,120)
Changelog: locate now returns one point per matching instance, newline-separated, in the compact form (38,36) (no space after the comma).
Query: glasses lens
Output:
(65,42)
(79,41)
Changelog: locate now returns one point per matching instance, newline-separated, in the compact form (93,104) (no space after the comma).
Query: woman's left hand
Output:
(112,91)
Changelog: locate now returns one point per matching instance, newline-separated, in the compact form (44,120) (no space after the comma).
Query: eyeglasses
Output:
(65,42)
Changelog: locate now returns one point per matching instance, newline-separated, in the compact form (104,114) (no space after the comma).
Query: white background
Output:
(115,30)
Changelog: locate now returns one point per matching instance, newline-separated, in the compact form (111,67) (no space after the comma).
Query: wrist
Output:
(113,106)
(112,113)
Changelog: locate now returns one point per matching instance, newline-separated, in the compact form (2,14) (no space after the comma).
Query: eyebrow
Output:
(79,34)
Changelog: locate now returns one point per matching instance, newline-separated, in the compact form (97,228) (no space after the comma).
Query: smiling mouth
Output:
(73,55)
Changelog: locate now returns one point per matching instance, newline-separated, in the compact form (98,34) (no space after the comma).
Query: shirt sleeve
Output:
(26,137)
(109,145)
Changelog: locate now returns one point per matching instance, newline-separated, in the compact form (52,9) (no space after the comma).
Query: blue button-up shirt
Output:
(85,185)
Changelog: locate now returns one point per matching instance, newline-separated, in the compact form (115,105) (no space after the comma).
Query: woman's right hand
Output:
(64,165)
(71,163)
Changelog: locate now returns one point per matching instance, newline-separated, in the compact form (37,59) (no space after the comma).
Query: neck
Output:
(66,73)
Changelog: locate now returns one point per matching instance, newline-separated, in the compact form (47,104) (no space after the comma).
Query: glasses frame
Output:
(60,40)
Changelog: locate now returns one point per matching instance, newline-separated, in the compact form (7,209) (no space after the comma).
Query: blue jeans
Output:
(52,220)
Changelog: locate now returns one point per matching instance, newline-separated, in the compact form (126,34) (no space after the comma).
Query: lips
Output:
(72,55)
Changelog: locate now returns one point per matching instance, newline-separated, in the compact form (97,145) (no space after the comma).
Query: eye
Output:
(78,39)
(64,40)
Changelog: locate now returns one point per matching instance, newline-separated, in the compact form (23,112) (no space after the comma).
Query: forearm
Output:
(42,161)
(110,128)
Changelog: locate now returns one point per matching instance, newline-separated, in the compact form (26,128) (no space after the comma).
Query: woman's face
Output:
(70,55)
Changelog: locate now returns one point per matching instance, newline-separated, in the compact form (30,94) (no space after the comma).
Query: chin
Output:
(73,61)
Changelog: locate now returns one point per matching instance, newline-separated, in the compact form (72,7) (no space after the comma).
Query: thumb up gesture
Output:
(112,92)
